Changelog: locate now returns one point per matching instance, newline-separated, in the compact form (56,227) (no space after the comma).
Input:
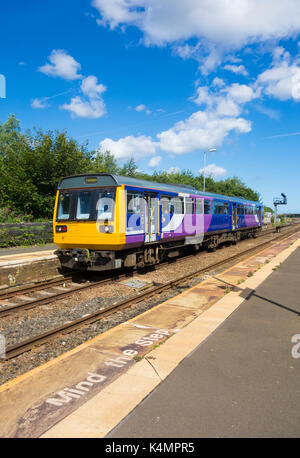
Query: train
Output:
(103,221)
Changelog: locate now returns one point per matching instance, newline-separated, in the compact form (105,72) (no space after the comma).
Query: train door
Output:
(234,216)
(135,213)
(151,223)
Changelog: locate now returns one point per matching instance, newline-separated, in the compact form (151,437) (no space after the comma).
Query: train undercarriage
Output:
(148,254)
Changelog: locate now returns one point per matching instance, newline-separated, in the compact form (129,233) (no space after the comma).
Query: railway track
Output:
(19,299)
(26,345)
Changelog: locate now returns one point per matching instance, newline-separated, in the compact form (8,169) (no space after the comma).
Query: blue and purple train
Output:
(102,221)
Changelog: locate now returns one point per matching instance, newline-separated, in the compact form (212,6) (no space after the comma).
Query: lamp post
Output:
(209,151)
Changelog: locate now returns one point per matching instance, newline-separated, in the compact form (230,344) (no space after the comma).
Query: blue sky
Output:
(162,81)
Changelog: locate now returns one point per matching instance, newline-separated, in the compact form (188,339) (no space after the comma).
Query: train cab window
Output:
(178,206)
(199,206)
(105,205)
(84,201)
(167,207)
(206,207)
(226,208)
(64,206)
(134,202)
(189,205)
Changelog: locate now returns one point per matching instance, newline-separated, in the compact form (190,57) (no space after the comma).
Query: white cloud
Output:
(237,69)
(213,170)
(90,88)
(39,103)
(218,25)
(196,133)
(143,107)
(154,161)
(225,100)
(94,108)
(282,80)
(87,105)
(130,146)
(62,65)
(236,21)
(201,130)
(218,82)
(240,93)
(140,107)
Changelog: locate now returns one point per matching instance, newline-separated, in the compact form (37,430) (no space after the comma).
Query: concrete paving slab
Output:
(242,381)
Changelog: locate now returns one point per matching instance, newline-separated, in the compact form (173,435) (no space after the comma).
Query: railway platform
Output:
(30,264)
(243,380)
(208,362)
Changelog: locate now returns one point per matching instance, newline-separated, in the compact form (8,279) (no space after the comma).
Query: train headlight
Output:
(106,229)
(61,228)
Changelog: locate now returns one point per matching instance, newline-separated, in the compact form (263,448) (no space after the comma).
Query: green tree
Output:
(104,162)
(129,169)
(31,166)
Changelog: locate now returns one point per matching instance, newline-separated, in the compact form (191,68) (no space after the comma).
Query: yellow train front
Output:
(88,221)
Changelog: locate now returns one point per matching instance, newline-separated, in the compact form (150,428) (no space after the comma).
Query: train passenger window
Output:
(64,206)
(217,208)
(178,205)
(226,208)
(189,205)
(84,205)
(220,208)
(214,208)
(105,205)
(166,205)
(134,202)
(206,207)
(199,206)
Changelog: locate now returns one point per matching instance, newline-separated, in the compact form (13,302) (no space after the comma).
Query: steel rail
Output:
(113,276)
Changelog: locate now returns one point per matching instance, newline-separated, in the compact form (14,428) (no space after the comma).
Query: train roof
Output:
(90,180)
